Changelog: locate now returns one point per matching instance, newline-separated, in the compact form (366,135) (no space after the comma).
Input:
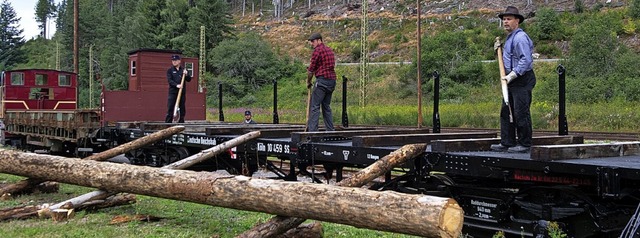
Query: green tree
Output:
(45,9)
(215,17)
(246,64)
(594,48)
(10,39)
(634,9)
(547,25)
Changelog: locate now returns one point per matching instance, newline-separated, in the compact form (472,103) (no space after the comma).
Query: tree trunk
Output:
(181,164)
(279,224)
(387,211)
(30,183)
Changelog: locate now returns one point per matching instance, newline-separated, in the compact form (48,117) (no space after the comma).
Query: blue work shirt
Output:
(517,52)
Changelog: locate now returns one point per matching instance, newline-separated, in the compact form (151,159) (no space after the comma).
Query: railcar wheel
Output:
(174,154)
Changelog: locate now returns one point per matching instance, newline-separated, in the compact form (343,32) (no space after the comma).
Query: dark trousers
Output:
(321,96)
(171,103)
(520,103)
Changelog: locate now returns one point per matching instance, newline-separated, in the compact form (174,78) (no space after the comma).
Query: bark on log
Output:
(181,164)
(279,225)
(387,211)
(29,183)
(311,230)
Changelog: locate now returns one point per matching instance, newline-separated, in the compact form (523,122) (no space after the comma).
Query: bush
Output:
(547,25)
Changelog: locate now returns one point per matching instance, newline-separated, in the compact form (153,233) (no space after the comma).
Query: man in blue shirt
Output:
(518,61)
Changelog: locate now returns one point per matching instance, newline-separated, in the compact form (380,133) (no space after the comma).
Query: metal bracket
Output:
(608,182)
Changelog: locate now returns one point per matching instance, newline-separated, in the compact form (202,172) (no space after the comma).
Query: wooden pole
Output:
(279,224)
(420,215)
(102,156)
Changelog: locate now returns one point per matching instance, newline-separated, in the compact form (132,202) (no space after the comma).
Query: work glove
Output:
(309,84)
(510,77)
(496,45)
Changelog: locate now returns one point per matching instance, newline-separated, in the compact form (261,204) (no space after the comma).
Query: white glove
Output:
(509,77)
(496,45)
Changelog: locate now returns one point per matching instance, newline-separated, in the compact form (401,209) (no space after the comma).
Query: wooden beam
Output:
(584,151)
(244,128)
(485,144)
(316,136)
(403,139)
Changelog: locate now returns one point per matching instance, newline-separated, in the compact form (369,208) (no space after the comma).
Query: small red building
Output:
(146,99)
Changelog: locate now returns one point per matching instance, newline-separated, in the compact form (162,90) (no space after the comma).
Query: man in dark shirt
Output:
(247,118)
(174,77)
(322,66)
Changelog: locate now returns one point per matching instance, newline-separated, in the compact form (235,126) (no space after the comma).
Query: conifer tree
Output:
(10,37)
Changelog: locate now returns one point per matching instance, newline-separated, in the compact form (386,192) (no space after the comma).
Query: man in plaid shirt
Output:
(322,66)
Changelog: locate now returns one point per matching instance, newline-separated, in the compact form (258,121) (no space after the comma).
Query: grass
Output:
(180,219)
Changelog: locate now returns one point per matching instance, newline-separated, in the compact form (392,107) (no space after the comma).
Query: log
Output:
(43,210)
(280,224)
(181,164)
(132,145)
(29,183)
(420,215)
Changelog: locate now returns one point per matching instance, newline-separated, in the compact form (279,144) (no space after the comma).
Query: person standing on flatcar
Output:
(322,66)
(174,77)
(518,61)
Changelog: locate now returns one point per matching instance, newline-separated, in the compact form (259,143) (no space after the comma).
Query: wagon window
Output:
(64,80)
(41,79)
(17,78)
(189,67)
(133,68)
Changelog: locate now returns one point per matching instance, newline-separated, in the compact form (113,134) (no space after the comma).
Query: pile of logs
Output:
(346,203)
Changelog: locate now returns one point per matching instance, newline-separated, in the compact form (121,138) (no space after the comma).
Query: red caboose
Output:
(146,99)
(38,89)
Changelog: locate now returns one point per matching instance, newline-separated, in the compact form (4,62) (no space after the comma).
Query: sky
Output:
(26,9)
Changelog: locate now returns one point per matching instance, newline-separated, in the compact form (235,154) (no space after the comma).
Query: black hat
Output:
(247,113)
(175,57)
(315,36)
(513,11)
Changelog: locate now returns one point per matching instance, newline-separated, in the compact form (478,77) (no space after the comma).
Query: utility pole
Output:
(418,64)
(76,68)
(91,76)
(364,53)
(203,61)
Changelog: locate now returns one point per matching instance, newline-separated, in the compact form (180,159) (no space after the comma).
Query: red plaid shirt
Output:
(323,62)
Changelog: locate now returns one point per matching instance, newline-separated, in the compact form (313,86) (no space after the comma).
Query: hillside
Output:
(392,24)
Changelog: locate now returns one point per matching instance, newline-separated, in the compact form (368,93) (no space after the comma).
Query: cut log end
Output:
(59,215)
(452,219)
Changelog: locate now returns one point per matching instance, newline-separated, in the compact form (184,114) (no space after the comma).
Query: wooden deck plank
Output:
(584,151)
(484,144)
(389,140)
(316,136)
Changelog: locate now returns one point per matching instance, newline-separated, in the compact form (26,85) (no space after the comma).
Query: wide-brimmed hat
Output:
(513,11)
(315,36)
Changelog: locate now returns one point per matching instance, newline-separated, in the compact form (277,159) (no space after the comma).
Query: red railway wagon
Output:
(38,89)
